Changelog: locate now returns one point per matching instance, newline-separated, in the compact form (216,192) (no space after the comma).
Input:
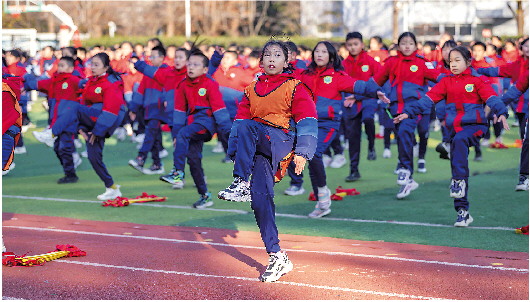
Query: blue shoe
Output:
(457,188)
(463,219)
(204,201)
(175,177)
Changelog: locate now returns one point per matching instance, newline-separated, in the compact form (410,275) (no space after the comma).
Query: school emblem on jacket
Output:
(65,85)
(328,79)
(469,87)
(413,68)
(365,68)
(202,91)
(97,90)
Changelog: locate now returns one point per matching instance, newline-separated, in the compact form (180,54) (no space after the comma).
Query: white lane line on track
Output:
(260,248)
(361,291)
(10,298)
(158,205)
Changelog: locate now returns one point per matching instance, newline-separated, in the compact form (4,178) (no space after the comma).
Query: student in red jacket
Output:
(513,70)
(376,50)
(276,121)
(465,96)
(325,78)
(101,111)
(359,65)
(11,119)
(150,97)
(199,110)
(407,73)
(63,88)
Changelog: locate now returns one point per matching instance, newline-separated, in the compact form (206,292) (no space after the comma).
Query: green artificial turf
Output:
(494,203)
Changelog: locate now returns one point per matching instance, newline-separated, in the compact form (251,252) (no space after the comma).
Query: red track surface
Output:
(183,263)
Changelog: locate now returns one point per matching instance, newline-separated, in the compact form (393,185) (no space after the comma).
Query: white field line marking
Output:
(277,214)
(10,298)
(249,279)
(260,248)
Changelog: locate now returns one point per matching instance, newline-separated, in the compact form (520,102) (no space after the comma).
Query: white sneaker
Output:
(20,150)
(338,161)
(218,148)
(139,138)
(11,167)
(154,170)
(45,137)
(523,183)
(326,160)
(163,153)
(120,133)
(322,208)
(463,219)
(457,189)
(405,190)
(77,159)
(403,176)
(387,153)
(110,193)
(484,143)
(294,190)
(238,191)
(84,154)
(421,166)
(78,144)
(279,265)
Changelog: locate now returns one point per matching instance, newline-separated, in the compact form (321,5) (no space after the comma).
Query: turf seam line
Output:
(289,250)
(277,214)
(249,279)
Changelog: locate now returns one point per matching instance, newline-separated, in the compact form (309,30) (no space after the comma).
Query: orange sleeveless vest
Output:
(274,108)
(6,88)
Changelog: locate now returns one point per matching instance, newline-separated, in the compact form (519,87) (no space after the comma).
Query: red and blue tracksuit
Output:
(512,70)
(63,91)
(19,70)
(440,106)
(149,96)
(199,110)
(363,67)
(276,116)
(512,95)
(407,75)
(327,86)
(11,118)
(101,111)
(465,96)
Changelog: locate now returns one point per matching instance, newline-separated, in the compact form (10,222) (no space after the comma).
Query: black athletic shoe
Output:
(68,180)
(353,177)
(371,155)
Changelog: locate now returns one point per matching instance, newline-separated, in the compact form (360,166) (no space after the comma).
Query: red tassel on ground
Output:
(350,192)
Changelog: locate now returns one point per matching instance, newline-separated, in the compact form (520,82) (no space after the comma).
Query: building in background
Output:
(428,19)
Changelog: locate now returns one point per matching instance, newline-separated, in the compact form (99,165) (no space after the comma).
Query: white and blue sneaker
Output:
(457,188)
(279,265)
(463,219)
(523,183)
(421,166)
(238,191)
(294,190)
(405,190)
(204,201)
(403,176)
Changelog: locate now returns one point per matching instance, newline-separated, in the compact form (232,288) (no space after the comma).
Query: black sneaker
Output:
(137,163)
(353,177)
(443,149)
(68,180)
(204,202)
(478,154)
(154,169)
(238,191)
(371,155)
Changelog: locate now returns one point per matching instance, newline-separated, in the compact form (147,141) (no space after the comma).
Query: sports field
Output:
(373,218)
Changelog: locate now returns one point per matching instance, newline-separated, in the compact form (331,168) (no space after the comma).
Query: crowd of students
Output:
(274,110)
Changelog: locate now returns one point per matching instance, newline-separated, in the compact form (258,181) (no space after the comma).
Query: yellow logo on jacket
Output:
(328,79)
(365,68)
(65,85)
(470,87)
(97,90)
(202,91)
(413,68)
